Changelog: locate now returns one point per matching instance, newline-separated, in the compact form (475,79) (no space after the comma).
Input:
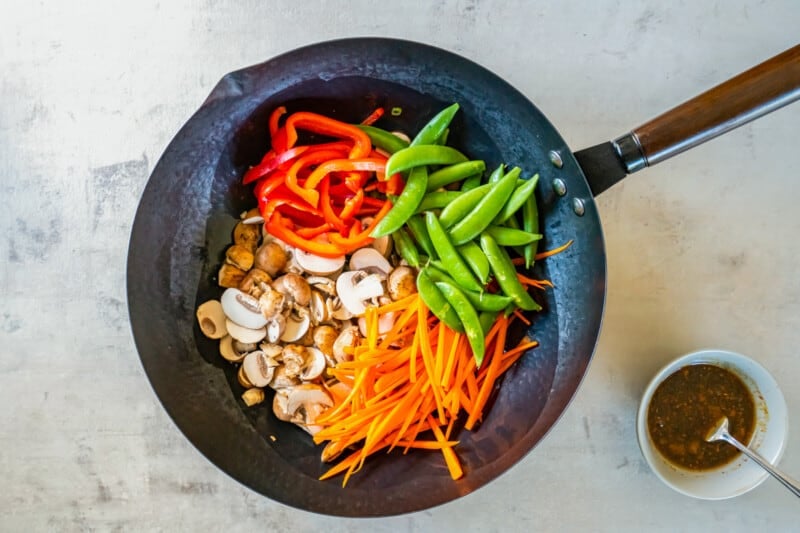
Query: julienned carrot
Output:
(420,376)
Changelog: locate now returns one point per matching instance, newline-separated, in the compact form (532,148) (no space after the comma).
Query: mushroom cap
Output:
(319,311)
(212,320)
(275,328)
(348,337)
(257,369)
(296,327)
(242,309)
(320,266)
(314,365)
(243,334)
(271,257)
(353,296)
(228,351)
(295,287)
(370,260)
(401,283)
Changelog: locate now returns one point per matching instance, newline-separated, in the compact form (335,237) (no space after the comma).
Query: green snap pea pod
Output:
(512,222)
(435,127)
(416,226)
(405,205)
(476,260)
(487,319)
(482,301)
(497,173)
(471,182)
(468,317)
(437,303)
(437,200)
(506,274)
(442,139)
(530,223)
(451,259)
(405,246)
(461,206)
(482,215)
(383,139)
(453,173)
(518,198)
(511,237)
(417,156)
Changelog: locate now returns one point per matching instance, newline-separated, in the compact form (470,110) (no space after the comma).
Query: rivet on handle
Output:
(559,187)
(555,158)
(578,206)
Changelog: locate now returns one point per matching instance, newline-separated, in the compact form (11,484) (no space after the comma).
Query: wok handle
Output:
(752,94)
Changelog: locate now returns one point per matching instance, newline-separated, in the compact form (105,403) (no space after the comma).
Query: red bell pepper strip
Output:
(311,233)
(326,206)
(270,162)
(373,117)
(309,194)
(277,228)
(352,205)
(343,165)
(360,239)
(274,118)
(330,127)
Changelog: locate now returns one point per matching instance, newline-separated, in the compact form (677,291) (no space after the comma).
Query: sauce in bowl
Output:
(687,404)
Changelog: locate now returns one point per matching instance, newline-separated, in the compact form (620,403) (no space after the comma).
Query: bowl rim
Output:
(777,412)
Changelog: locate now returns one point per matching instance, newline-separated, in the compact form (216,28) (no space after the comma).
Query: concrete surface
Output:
(703,249)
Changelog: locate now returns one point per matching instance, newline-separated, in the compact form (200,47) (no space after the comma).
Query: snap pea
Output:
(517,199)
(506,274)
(436,126)
(453,173)
(530,223)
(511,237)
(405,205)
(497,174)
(461,206)
(487,319)
(437,200)
(417,156)
(471,182)
(482,301)
(442,139)
(475,259)
(405,246)
(512,222)
(383,139)
(468,317)
(471,225)
(416,226)
(437,303)
(452,261)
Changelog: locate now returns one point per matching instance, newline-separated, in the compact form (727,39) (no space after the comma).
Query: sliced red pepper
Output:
(373,117)
(303,217)
(360,239)
(326,206)
(280,141)
(270,162)
(276,228)
(343,165)
(309,194)
(352,206)
(330,127)
(268,185)
(312,232)
(274,118)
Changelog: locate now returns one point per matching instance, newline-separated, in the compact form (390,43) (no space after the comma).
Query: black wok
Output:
(194,196)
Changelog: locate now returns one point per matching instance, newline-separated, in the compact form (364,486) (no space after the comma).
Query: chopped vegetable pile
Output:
(376,294)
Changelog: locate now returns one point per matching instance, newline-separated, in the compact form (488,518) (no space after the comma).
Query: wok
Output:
(194,196)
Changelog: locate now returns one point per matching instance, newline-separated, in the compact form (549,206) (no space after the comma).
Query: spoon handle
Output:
(788,482)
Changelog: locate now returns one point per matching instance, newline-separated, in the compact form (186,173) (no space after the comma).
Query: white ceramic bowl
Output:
(769,438)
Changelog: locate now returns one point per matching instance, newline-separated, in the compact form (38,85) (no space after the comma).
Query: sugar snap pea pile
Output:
(456,226)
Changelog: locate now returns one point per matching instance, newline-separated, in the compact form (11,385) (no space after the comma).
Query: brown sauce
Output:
(687,404)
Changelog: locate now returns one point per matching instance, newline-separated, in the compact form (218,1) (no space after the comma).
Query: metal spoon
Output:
(720,432)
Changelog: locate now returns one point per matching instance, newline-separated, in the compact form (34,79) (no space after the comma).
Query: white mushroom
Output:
(371,261)
(319,310)
(271,257)
(271,350)
(228,350)
(243,381)
(280,405)
(211,319)
(324,337)
(337,310)
(257,369)
(304,404)
(275,328)
(253,396)
(294,287)
(242,309)
(294,359)
(354,288)
(271,302)
(281,380)
(383,245)
(321,283)
(401,283)
(347,338)
(320,266)
(314,364)
(296,326)
(243,334)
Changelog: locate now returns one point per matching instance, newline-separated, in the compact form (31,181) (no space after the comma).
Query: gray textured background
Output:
(703,250)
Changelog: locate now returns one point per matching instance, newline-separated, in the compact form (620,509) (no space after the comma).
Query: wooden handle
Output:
(756,92)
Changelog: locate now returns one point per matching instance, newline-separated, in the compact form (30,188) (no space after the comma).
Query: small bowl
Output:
(769,438)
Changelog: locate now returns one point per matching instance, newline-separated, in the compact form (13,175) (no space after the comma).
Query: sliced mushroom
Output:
(337,310)
(243,381)
(356,287)
(211,319)
(296,326)
(253,396)
(240,256)
(257,369)
(323,284)
(280,405)
(332,450)
(243,334)
(383,245)
(281,380)
(228,351)
(314,364)
(246,235)
(319,311)
(253,280)
(271,303)
(306,402)
(230,276)
(275,328)
(272,351)
(255,219)
(242,309)
(371,261)
(271,257)
(294,287)
(370,287)
(294,359)
(324,337)
(401,283)
(319,266)
(347,338)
